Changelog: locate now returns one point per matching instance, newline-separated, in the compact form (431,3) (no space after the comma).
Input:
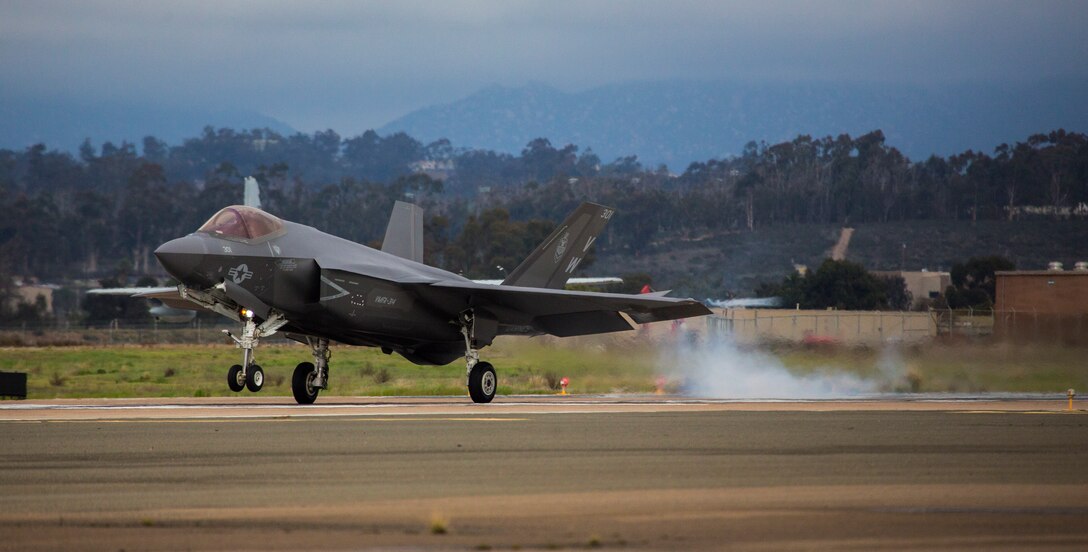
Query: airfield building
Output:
(1042,304)
(923,285)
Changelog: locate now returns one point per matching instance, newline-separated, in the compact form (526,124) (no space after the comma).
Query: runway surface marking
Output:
(264,419)
(249,408)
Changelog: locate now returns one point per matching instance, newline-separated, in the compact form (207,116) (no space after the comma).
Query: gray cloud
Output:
(354,65)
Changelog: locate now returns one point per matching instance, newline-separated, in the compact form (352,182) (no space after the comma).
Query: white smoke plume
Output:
(719,369)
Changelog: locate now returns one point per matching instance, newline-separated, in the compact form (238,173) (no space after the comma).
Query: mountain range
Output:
(64,124)
(678,122)
(675,122)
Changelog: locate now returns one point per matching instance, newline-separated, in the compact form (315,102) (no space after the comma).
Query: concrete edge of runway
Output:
(285,407)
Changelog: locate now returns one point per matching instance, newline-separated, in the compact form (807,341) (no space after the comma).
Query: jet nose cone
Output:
(182,256)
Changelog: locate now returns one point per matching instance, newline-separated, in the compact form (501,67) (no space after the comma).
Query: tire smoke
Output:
(720,369)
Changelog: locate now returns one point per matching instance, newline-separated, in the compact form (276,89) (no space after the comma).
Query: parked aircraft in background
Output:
(745,302)
(272,275)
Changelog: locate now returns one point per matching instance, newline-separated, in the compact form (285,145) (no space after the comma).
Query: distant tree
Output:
(542,162)
(155,150)
(898,296)
(371,157)
(844,285)
(840,285)
(86,151)
(973,282)
(622,166)
(791,290)
(589,164)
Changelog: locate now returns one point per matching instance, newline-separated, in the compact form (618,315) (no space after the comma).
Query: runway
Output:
(543,473)
(256,406)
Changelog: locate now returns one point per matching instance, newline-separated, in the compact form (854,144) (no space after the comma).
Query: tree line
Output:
(102,211)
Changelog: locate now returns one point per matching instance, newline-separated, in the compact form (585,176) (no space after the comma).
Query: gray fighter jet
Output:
(273,275)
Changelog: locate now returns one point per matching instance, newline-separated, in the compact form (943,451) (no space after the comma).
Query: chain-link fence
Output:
(1041,327)
(1014,325)
(812,326)
(744,325)
(116,332)
(859,327)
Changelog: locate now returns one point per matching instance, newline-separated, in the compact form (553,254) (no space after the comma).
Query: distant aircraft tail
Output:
(404,235)
(554,260)
(252,194)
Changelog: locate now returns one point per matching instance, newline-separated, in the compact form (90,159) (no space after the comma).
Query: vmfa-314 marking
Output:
(273,275)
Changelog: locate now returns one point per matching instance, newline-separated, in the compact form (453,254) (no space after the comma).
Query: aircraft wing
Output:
(168,295)
(559,312)
(132,291)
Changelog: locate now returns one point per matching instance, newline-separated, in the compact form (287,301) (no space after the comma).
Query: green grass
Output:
(607,365)
(958,367)
(200,370)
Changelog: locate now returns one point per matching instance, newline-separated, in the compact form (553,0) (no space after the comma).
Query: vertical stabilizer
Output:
(252,197)
(556,259)
(404,235)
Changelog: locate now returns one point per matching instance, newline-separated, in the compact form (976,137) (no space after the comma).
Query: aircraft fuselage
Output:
(325,285)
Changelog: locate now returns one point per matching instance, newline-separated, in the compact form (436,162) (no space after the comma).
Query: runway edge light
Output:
(563,383)
(1071,393)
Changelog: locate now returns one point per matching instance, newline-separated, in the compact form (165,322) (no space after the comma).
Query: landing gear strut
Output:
(482,381)
(311,377)
(248,374)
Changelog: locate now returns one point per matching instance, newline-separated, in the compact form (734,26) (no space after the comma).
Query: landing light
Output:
(246,313)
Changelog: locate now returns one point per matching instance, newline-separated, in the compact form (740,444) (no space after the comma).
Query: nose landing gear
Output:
(249,375)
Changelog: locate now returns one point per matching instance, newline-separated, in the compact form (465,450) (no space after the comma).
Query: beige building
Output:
(29,294)
(922,284)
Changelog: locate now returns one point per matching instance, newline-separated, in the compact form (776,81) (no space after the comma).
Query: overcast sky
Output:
(355,65)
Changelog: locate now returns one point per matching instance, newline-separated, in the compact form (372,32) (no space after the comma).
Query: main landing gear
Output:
(248,374)
(311,377)
(482,380)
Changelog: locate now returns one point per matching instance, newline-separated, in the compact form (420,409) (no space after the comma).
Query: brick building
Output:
(1042,304)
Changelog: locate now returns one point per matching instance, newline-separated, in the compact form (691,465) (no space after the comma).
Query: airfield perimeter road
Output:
(542,473)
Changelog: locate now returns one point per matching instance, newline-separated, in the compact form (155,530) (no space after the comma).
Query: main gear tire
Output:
(302,383)
(482,382)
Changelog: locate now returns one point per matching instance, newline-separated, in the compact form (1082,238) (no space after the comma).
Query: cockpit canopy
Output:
(242,223)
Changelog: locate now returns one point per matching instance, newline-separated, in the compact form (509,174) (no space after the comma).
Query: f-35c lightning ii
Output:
(273,275)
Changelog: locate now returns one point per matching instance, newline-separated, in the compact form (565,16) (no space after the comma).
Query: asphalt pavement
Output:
(615,473)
